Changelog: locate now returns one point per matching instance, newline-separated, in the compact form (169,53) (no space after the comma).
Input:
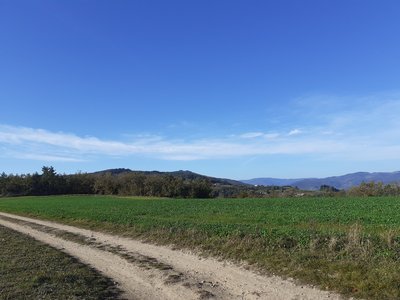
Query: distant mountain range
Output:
(339,182)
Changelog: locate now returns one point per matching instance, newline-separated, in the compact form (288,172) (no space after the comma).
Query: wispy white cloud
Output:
(369,131)
(33,143)
(44,157)
(295,132)
(271,135)
(252,135)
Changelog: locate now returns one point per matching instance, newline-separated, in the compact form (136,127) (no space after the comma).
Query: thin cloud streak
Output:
(39,144)
(44,157)
(295,132)
(367,133)
(252,135)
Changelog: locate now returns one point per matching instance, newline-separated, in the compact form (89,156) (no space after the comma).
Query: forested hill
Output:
(183,174)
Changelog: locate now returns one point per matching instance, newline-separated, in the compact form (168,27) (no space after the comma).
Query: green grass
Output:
(32,270)
(351,245)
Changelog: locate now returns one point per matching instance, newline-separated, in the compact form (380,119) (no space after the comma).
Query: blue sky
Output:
(236,89)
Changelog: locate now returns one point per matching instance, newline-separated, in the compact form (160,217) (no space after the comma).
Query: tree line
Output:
(49,182)
(375,189)
(155,184)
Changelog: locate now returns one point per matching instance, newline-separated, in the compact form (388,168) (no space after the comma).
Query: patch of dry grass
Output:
(32,270)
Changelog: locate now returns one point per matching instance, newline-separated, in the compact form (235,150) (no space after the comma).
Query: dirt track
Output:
(147,271)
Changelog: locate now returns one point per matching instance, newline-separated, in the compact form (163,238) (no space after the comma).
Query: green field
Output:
(351,245)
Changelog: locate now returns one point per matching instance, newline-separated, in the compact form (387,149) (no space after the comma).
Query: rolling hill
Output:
(182,174)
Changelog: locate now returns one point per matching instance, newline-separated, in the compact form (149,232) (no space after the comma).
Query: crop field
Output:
(351,245)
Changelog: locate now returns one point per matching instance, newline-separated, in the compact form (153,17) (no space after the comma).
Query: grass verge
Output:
(32,270)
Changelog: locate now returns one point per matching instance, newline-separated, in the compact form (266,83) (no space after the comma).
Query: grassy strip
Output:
(32,270)
(350,245)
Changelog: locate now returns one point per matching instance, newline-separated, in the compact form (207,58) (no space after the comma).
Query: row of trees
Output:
(125,183)
(155,184)
(47,183)
(132,184)
(370,189)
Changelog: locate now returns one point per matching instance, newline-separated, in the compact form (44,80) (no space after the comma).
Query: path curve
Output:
(145,271)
